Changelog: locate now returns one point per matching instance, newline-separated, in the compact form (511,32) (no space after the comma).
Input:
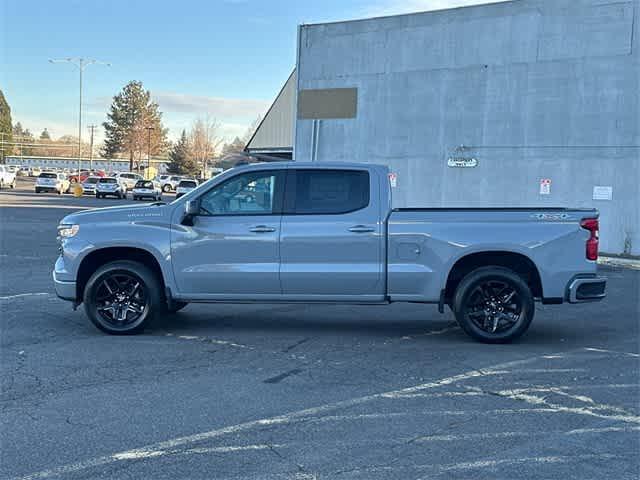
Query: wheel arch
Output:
(515,261)
(95,259)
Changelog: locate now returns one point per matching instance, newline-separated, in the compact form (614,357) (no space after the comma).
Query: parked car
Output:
(23,171)
(325,232)
(170,183)
(89,185)
(35,171)
(147,189)
(52,182)
(185,186)
(84,174)
(128,179)
(7,177)
(110,186)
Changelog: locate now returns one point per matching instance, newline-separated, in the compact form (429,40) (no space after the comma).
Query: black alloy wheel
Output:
(122,297)
(494,305)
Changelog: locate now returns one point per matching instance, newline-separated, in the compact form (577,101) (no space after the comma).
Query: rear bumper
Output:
(586,289)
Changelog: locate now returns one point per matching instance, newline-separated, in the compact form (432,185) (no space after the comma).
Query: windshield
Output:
(92,180)
(48,175)
(108,180)
(187,184)
(144,184)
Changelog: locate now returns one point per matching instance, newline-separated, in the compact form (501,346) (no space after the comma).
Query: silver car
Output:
(110,186)
(147,189)
(89,185)
(185,186)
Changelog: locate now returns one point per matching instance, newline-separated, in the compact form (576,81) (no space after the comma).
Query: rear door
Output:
(331,241)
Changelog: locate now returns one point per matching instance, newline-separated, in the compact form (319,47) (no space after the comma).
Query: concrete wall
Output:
(532,88)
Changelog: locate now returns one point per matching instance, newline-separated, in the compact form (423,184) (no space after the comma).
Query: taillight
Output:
(593,226)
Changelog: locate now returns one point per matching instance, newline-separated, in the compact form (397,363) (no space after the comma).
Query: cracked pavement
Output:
(305,391)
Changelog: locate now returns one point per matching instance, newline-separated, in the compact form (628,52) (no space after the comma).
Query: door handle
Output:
(262,229)
(361,229)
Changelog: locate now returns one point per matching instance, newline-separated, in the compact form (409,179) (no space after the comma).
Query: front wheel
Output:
(13,184)
(122,297)
(166,188)
(493,305)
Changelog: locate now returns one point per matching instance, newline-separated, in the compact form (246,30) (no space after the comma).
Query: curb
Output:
(619,262)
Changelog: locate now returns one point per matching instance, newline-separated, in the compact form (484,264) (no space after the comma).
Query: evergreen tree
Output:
(6,127)
(45,135)
(132,113)
(181,161)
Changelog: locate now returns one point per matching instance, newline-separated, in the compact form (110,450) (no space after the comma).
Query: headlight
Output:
(67,231)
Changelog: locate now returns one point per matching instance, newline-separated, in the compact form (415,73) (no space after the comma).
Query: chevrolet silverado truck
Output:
(324,233)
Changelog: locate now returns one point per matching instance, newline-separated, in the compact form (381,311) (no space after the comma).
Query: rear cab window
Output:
(326,192)
(144,184)
(48,175)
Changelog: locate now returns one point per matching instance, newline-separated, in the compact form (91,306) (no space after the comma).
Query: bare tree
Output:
(204,141)
(251,129)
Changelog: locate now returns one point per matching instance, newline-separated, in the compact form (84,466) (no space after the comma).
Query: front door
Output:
(331,244)
(232,249)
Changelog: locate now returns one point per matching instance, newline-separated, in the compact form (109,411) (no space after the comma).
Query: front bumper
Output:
(64,286)
(64,290)
(586,289)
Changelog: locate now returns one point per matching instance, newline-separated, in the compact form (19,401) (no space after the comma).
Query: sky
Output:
(221,59)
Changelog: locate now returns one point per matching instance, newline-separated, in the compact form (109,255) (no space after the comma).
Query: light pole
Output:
(81,64)
(91,129)
(149,130)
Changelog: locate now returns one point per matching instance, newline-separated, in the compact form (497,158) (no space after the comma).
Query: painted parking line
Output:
(23,295)
(158,449)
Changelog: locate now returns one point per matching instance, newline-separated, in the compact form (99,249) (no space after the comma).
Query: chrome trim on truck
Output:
(595,289)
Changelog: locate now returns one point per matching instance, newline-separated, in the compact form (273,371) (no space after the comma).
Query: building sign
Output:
(462,162)
(602,193)
(545,186)
(327,103)
(393,179)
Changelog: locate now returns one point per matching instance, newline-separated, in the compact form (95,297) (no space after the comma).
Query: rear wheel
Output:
(166,188)
(493,305)
(122,297)
(13,184)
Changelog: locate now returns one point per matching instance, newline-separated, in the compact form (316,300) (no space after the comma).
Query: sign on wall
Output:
(545,186)
(462,162)
(327,103)
(602,192)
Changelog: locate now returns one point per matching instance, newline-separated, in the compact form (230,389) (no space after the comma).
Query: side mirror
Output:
(191,210)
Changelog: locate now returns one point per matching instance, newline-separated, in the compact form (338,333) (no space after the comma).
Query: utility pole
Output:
(91,129)
(149,130)
(81,64)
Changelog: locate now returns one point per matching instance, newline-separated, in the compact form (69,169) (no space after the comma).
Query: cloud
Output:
(217,107)
(397,7)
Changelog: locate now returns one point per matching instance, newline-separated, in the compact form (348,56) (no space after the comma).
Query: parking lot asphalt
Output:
(304,391)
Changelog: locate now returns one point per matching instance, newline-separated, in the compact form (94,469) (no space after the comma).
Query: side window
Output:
(252,193)
(328,192)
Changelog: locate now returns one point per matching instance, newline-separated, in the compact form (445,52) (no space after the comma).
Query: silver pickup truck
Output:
(326,233)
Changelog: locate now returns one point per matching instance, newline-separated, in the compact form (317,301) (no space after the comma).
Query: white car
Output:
(185,186)
(35,171)
(110,186)
(147,189)
(128,179)
(170,183)
(89,185)
(7,177)
(52,182)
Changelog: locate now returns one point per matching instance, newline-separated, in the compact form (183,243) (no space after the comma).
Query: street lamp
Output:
(81,64)
(149,130)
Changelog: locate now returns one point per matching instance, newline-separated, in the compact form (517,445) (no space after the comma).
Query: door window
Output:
(251,193)
(327,192)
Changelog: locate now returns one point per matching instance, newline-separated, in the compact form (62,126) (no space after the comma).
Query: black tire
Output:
(37,190)
(493,305)
(13,184)
(120,290)
(59,192)
(98,195)
(135,198)
(166,188)
(176,306)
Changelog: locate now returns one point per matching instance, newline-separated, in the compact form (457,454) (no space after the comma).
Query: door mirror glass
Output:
(192,208)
